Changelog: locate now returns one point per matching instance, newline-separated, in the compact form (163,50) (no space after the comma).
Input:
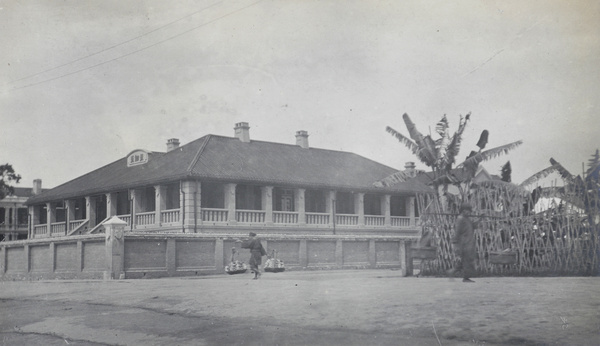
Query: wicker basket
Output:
(235,266)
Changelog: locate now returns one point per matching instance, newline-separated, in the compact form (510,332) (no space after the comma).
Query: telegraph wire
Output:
(115,46)
(139,50)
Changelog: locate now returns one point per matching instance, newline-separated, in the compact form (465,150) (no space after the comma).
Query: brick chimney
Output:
(242,132)
(172,143)
(410,170)
(37,187)
(302,139)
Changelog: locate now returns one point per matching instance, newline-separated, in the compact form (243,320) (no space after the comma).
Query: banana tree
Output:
(582,192)
(440,155)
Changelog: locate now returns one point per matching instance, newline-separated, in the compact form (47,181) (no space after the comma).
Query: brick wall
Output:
(161,255)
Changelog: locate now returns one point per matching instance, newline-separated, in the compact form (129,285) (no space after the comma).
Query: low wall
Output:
(77,257)
(142,255)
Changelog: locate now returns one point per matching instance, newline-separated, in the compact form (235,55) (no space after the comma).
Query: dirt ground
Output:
(348,307)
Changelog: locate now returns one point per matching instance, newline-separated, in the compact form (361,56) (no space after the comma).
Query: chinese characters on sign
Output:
(138,157)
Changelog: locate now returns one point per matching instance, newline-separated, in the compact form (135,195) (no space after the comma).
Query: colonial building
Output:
(13,212)
(229,185)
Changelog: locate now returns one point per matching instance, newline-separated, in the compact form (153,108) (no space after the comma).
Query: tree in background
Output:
(440,155)
(593,164)
(7,176)
(581,191)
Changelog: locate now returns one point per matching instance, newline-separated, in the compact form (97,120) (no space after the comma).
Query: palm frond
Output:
(562,170)
(538,176)
(503,185)
(442,148)
(552,192)
(489,154)
(561,193)
(454,146)
(403,139)
(393,179)
(426,151)
(442,126)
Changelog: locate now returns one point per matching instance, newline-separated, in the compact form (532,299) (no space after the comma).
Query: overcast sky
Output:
(83,83)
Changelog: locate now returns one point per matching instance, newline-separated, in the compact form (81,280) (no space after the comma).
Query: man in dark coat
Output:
(256,253)
(464,240)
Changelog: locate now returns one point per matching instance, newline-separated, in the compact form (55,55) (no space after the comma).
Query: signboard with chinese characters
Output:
(137,157)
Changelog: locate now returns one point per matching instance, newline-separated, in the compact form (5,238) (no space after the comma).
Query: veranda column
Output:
(69,214)
(190,207)
(90,210)
(300,206)
(267,203)
(134,196)
(111,204)
(230,203)
(359,207)
(330,206)
(50,217)
(410,210)
(160,202)
(385,204)
(34,217)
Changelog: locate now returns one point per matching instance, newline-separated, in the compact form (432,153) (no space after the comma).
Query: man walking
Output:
(464,240)
(256,253)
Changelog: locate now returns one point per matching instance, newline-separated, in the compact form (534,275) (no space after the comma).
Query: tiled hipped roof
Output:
(228,159)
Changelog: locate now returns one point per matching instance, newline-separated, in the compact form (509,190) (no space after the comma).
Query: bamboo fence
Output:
(512,240)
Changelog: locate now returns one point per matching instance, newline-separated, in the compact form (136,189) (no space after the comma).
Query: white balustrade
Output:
(57,228)
(400,221)
(147,218)
(250,216)
(169,216)
(40,230)
(346,219)
(374,220)
(75,223)
(126,218)
(317,218)
(285,217)
(214,215)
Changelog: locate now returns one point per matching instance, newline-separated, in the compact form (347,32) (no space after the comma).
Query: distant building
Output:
(14,216)
(230,185)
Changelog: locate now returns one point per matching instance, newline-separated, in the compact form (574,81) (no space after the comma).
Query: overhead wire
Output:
(116,45)
(138,50)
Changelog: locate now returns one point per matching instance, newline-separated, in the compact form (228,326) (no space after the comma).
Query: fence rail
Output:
(374,220)
(400,221)
(346,219)
(169,216)
(214,215)
(143,219)
(317,218)
(58,228)
(285,217)
(126,218)
(250,216)
(75,223)
(40,230)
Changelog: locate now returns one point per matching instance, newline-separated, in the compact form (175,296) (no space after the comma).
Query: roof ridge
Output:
(197,157)
(287,144)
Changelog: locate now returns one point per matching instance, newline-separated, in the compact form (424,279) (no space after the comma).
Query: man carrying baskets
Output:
(256,253)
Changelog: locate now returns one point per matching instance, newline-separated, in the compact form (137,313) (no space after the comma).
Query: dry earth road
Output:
(348,307)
